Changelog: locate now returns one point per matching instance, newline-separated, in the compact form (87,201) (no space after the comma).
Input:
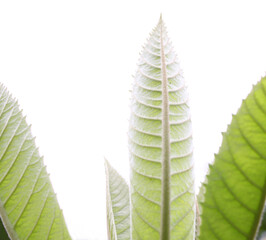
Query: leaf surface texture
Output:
(236,185)
(118,208)
(28,204)
(150,123)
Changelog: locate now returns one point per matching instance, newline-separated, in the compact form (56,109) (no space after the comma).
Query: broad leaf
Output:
(118,210)
(236,185)
(28,204)
(160,144)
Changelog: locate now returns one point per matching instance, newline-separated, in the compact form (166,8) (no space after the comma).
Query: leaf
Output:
(160,144)
(28,204)
(118,209)
(236,185)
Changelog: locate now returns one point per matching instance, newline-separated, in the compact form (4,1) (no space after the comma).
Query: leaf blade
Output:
(159,77)
(118,209)
(236,189)
(27,199)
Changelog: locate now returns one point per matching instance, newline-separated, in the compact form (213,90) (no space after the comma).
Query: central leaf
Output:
(160,144)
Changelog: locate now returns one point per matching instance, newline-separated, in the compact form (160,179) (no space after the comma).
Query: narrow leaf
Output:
(236,185)
(160,144)
(28,204)
(118,210)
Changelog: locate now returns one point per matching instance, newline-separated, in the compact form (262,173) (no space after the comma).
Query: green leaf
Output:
(236,185)
(118,208)
(28,204)
(160,144)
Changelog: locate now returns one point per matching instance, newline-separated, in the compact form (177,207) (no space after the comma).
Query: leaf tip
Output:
(161,20)
(210,166)
(106,163)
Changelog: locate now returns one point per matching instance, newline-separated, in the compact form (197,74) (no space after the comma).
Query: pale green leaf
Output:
(160,144)
(28,204)
(236,185)
(118,207)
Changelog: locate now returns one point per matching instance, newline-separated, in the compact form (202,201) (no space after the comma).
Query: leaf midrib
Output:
(6,223)
(166,177)
(258,217)
(109,196)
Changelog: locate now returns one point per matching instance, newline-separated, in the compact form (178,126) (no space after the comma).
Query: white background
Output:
(70,65)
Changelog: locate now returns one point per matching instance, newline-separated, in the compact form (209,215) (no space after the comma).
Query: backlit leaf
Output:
(118,207)
(160,144)
(28,204)
(236,185)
